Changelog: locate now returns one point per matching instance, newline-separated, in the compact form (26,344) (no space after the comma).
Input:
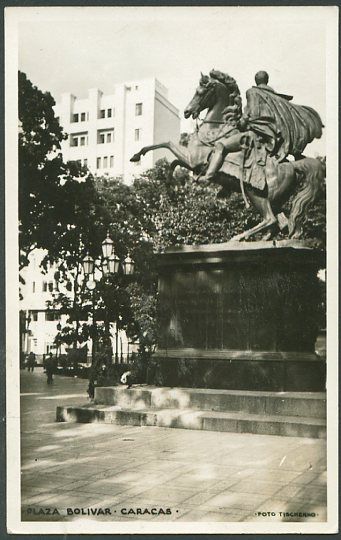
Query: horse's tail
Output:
(313,173)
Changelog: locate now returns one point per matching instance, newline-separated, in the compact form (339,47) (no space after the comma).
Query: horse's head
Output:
(204,97)
(211,90)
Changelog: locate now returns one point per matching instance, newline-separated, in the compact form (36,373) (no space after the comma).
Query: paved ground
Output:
(182,475)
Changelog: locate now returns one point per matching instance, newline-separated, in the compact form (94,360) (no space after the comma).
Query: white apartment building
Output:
(106,130)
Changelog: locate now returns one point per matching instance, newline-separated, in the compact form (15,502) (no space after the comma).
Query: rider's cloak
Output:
(297,125)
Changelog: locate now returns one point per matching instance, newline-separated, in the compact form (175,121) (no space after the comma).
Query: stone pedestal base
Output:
(239,316)
(277,375)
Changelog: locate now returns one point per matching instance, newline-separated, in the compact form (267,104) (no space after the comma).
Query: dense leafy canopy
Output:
(39,172)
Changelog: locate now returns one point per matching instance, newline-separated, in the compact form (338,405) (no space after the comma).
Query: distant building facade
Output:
(106,130)
(40,320)
(40,323)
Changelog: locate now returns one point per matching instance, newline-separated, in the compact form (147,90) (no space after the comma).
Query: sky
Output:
(68,49)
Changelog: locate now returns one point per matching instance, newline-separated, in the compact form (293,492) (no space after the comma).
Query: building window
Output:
(51,286)
(75,117)
(99,163)
(105,162)
(106,113)
(85,162)
(138,109)
(34,286)
(51,316)
(79,139)
(111,162)
(44,286)
(83,117)
(137,134)
(105,137)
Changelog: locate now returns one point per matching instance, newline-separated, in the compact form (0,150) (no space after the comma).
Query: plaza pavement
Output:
(198,475)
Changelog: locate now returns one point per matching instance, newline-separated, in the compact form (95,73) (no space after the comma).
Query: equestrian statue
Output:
(249,150)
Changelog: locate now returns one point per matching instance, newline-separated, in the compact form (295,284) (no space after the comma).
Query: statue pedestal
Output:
(240,316)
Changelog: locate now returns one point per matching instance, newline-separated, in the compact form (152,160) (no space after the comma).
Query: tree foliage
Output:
(179,211)
(40,136)
(57,201)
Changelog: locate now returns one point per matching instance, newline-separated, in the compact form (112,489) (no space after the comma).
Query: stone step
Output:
(236,422)
(301,404)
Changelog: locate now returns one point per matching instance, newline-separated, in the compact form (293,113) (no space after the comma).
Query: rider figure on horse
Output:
(255,133)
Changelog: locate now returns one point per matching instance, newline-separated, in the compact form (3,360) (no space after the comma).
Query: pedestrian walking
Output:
(31,361)
(49,367)
(91,388)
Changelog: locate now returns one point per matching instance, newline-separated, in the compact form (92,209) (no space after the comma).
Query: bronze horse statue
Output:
(218,94)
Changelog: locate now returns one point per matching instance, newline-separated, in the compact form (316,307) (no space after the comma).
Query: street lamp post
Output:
(110,265)
(88,267)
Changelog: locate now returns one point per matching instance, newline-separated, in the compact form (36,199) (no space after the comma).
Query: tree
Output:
(125,218)
(56,199)
(40,168)
(59,206)
(104,205)
(83,233)
(181,211)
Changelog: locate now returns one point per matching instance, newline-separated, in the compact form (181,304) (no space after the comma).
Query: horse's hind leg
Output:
(262,204)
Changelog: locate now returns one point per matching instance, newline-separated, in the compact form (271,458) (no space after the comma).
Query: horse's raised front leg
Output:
(180,152)
(176,163)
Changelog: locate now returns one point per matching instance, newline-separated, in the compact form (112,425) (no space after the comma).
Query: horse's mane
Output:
(224,78)
(234,109)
